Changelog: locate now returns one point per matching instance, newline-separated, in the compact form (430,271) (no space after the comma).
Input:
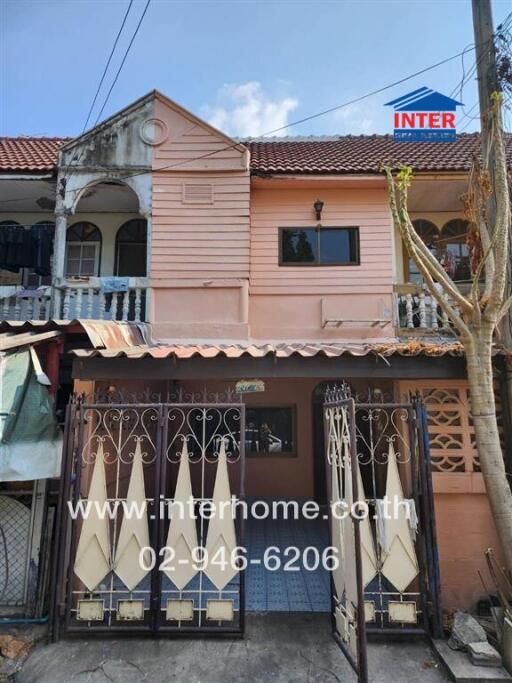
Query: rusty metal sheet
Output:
(108,334)
(278,349)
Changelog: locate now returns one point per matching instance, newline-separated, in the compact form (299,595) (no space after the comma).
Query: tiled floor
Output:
(282,590)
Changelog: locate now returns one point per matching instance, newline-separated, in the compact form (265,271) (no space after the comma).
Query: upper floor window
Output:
(320,246)
(131,248)
(83,246)
(449,246)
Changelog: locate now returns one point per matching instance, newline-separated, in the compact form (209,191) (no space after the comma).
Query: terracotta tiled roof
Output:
(335,155)
(362,154)
(29,154)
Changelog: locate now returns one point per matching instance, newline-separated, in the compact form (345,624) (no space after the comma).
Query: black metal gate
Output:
(381,521)
(148,534)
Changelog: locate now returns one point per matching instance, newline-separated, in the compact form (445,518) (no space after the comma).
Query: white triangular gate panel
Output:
(221,529)
(182,534)
(400,566)
(92,560)
(134,534)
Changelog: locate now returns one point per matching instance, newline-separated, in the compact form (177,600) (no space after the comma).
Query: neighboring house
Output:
(273,259)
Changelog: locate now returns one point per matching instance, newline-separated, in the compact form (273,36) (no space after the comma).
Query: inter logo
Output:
(424,115)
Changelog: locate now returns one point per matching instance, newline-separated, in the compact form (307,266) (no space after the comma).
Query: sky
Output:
(246,66)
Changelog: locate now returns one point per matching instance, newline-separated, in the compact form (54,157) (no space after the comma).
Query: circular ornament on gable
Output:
(153,132)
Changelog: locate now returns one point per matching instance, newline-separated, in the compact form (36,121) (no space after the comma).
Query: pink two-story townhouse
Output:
(272,261)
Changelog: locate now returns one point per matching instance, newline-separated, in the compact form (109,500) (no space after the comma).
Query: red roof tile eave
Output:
(30,154)
(342,155)
(273,171)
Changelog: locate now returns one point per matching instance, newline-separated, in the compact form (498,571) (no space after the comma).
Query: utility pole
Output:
(485,54)
(487,73)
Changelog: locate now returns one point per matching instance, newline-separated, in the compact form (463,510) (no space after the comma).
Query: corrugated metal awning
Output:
(108,334)
(278,349)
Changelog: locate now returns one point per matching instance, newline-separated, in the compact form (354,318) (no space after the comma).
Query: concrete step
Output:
(462,671)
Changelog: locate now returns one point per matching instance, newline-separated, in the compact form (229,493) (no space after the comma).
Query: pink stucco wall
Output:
(215,269)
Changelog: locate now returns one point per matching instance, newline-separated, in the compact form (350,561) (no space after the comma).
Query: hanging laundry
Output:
(42,248)
(21,247)
(20,251)
(112,284)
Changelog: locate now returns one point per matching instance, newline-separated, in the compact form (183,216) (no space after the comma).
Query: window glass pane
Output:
(131,259)
(338,245)
(73,267)
(88,250)
(299,245)
(87,267)
(74,251)
(269,431)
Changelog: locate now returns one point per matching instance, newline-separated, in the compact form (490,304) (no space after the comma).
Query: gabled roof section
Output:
(122,113)
(236,144)
(424,99)
(30,154)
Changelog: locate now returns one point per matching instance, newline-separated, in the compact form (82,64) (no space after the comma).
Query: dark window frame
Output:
(292,407)
(119,240)
(318,229)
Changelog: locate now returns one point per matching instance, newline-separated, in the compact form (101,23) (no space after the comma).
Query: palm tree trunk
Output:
(483,407)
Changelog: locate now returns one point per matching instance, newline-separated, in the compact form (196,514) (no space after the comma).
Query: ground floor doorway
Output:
(294,589)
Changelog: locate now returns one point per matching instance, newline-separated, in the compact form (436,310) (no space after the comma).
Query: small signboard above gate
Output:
(249,386)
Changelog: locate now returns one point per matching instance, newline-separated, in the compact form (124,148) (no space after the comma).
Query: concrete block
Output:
(462,671)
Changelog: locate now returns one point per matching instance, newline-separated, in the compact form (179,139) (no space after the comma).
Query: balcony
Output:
(417,312)
(86,300)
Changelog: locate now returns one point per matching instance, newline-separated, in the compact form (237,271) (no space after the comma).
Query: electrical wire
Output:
(107,65)
(270,132)
(294,123)
(102,79)
(141,19)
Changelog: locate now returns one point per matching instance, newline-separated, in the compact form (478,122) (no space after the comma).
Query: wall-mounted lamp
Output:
(318,206)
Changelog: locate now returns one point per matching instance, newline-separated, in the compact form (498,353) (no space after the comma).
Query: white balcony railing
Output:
(26,305)
(84,300)
(416,309)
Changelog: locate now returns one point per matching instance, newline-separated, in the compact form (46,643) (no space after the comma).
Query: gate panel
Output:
(348,614)
(203,459)
(115,462)
(127,561)
(391,455)
(388,581)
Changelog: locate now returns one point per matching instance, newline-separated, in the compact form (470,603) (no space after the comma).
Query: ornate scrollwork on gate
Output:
(131,461)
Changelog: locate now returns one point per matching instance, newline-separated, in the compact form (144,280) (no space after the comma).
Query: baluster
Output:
(90,302)
(66,304)
(114,303)
(29,310)
(138,304)
(46,303)
(5,308)
(433,308)
(17,308)
(423,313)
(409,310)
(45,307)
(37,307)
(126,304)
(78,302)
(101,314)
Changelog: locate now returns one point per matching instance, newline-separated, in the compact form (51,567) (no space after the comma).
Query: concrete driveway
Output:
(278,647)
